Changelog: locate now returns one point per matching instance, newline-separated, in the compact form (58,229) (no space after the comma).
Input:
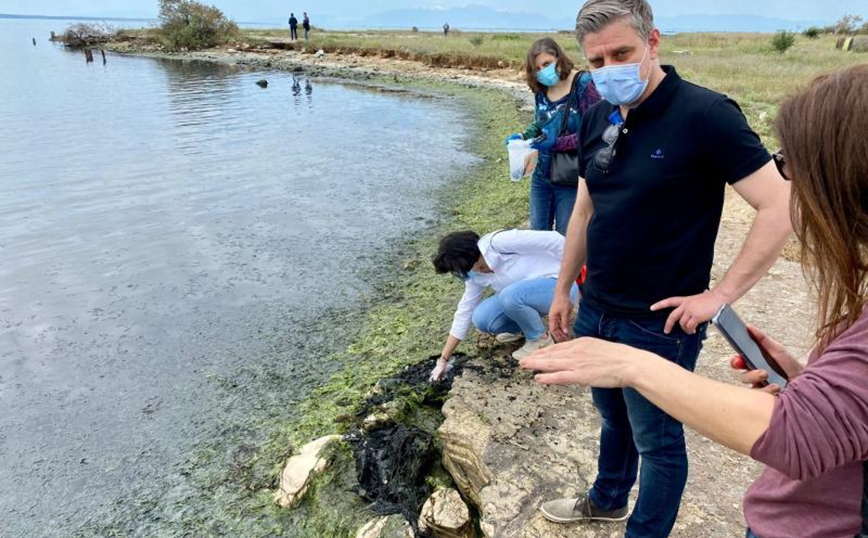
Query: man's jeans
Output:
(518,307)
(633,426)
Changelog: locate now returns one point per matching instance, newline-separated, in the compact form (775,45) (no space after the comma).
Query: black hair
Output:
(457,253)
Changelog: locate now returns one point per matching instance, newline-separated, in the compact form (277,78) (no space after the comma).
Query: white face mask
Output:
(621,84)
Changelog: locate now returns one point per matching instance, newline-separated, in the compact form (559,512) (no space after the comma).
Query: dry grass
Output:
(744,66)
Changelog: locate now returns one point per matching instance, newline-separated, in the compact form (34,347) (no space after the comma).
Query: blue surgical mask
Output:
(621,84)
(548,75)
(465,277)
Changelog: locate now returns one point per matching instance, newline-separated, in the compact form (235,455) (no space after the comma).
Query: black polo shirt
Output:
(658,206)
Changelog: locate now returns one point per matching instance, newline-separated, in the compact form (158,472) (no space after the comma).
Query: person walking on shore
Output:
(306,25)
(446,29)
(655,163)
(562,95)
(812,436)
(293,27)
(521,266)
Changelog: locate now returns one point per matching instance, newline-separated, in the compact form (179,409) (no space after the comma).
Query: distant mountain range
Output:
(482,17)
(476,17)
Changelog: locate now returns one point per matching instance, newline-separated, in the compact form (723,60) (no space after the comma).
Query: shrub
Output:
(186,24)
(783,40)
(87,35)
(847,24)
(813,32)
(477,40)
(506,37)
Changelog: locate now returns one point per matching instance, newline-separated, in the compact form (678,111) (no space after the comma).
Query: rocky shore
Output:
(507,443)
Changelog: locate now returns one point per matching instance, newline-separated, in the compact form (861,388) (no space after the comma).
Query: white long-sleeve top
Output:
(513,256)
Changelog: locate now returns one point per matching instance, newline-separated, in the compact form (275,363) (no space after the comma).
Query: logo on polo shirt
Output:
(658,154)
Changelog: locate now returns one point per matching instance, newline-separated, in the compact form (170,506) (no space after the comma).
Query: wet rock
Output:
(300,469)
(262,83)
(394,526)
(445,515)
(375,421)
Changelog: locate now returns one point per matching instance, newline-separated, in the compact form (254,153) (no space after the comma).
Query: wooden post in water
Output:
(103,56)
(34,41)
(88,55)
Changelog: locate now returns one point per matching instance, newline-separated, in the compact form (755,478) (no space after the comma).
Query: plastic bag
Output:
(522,159)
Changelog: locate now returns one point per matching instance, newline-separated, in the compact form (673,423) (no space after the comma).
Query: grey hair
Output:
(598,14)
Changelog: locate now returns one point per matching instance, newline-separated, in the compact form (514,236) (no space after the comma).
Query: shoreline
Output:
(398,315)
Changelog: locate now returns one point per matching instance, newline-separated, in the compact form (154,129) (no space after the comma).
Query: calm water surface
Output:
(167,230)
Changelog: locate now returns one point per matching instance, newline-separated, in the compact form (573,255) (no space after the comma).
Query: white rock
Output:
(300,469)
(446,515)
(320,53)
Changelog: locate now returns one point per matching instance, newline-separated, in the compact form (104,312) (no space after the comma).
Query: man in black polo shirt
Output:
(655,161)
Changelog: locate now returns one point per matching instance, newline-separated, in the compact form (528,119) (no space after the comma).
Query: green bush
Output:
(813,32)
(506,37)
(186,24)
(783,40)
(477,40)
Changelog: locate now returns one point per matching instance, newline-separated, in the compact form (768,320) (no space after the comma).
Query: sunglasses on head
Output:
(780,163)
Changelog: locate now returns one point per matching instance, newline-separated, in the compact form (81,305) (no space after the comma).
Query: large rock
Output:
(446,515)
(394,526)
(300,469)
(511,444)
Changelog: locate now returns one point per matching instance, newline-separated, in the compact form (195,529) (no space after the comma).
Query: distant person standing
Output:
(446,29)
(306,25)
(293,27)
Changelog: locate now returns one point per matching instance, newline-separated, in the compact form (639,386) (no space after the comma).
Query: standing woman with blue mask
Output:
(559,90)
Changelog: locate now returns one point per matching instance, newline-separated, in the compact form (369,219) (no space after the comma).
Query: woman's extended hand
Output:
(789,364)
(584,361)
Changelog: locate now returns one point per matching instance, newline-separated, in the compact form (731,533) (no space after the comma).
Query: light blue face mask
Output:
(621,84)
(548,75)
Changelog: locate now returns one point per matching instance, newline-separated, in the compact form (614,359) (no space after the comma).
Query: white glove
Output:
(440,370)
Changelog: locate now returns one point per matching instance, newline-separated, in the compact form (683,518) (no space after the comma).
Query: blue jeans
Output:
(632,426)
(750,534)
(518,307)
(550,205)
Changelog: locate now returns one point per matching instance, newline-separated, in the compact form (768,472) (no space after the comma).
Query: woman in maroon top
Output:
(813,437)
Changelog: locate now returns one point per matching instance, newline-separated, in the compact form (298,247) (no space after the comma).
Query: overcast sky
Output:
(275,10)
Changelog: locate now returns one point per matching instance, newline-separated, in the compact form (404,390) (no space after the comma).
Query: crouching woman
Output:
(521,266)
